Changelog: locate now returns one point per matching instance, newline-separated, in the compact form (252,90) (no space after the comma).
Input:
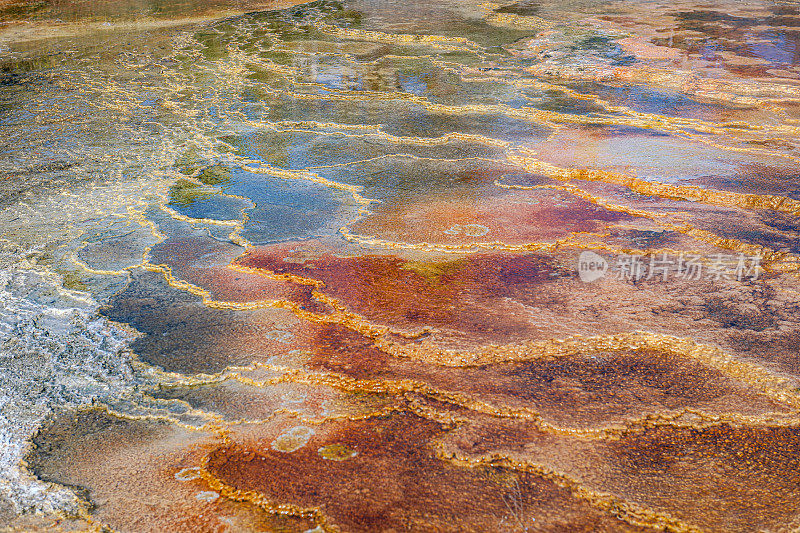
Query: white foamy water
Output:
(55,353)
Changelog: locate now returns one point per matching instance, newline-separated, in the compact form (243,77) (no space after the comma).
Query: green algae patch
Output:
(72,281)
(185,193)
(215,175)
(189,162)
(347,17)
(337,452)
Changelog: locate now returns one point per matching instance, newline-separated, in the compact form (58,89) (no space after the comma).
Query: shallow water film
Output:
(399,265)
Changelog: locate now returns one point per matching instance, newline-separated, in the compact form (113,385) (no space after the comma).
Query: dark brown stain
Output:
(395,482)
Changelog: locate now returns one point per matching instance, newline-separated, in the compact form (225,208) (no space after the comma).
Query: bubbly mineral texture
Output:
(383,265)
